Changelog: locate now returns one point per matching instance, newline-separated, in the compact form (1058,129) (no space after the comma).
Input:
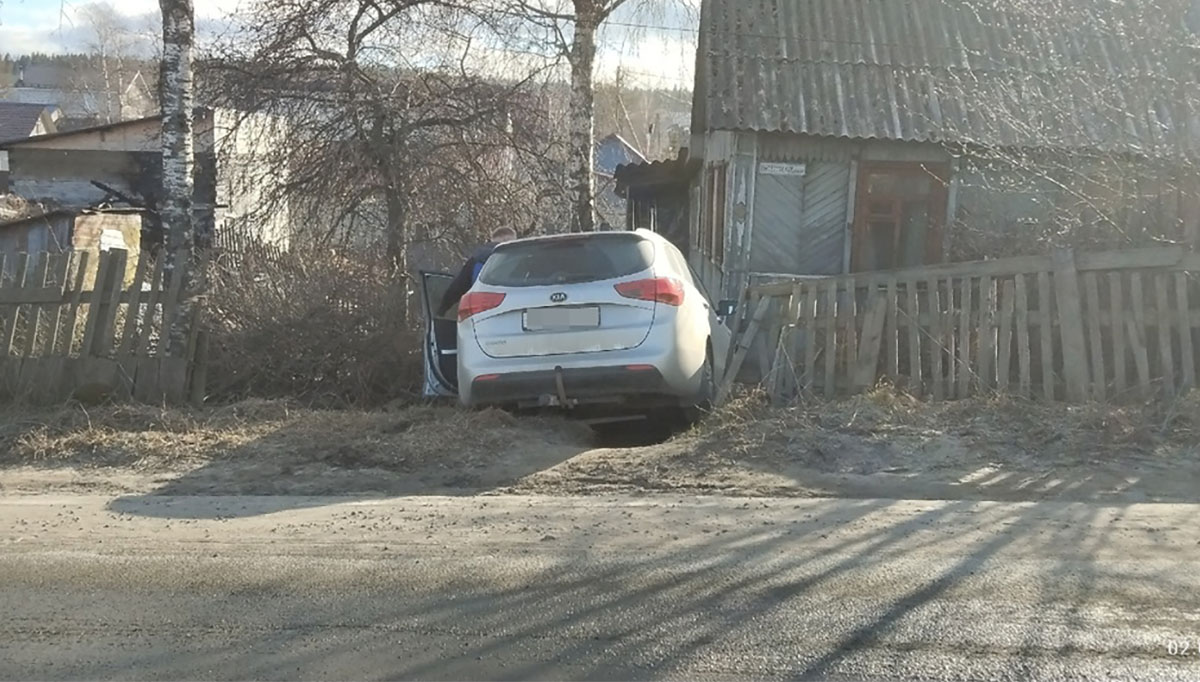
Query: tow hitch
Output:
(559,399)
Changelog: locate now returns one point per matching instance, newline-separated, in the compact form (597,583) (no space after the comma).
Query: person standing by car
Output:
(470,270)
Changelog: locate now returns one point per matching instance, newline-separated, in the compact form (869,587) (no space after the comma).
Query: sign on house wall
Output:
(792,169)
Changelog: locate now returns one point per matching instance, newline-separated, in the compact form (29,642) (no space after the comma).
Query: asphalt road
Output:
(590,588)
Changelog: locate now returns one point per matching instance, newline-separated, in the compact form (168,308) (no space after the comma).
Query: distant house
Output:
(83,99)
(831,136)
(121,163)
(18,120)
(611,152)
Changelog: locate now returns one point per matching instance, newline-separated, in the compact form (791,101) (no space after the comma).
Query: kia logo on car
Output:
(558,297)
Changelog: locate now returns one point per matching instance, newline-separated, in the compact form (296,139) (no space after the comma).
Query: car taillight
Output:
(478,302)
(661,289)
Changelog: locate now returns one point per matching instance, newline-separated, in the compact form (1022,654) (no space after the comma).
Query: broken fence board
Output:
(743,348)
(867,363)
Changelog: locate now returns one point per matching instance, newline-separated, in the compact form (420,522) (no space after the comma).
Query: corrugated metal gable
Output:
(1117,75)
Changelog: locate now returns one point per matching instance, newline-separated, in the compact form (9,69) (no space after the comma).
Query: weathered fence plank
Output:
(1024,357)
(1116,329)
(94,309)
(1099,379)
(830,317)
(1004,359)
(33,321)
(147,330)
(1070,318)
(914,338)
(934,340)
(1186,348)
(1163,312)
(133,308)
(61,276)
(891,334)
(8,336)
(867,363)
(987,332)
(950,329)
(964,338)
(809,325)
(1136,327)
(1045,334)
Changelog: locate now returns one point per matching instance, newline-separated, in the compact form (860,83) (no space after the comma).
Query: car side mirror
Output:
(726,308)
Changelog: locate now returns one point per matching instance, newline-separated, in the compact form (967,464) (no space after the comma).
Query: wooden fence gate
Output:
(1065,326)
(77,325)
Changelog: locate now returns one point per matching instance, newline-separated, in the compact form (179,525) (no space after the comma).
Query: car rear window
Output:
(569,260)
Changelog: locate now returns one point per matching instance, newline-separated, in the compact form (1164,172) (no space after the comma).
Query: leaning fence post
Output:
(1070,319)
(742,347)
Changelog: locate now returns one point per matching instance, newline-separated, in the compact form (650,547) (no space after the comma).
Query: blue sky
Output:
(653,56)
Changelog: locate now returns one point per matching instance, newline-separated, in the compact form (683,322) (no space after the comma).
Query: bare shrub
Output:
(314,325)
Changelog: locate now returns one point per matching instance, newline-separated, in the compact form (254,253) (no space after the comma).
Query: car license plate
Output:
(542,319)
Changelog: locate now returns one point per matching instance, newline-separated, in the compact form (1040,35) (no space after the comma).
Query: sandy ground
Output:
(875,446)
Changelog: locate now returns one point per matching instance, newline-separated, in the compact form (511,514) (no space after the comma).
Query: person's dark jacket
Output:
(466,277)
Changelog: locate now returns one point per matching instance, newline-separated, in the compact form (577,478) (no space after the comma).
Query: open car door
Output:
(441,338)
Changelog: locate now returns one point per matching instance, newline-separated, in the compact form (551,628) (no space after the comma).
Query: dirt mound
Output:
(886,444)
(882,444)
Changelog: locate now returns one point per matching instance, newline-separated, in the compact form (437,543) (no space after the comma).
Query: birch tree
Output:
(585,17)
(177,153)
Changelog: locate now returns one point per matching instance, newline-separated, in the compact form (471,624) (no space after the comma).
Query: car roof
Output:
(645,234)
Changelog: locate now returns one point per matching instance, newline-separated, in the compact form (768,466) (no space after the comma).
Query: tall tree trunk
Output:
(581,149)
(177,156)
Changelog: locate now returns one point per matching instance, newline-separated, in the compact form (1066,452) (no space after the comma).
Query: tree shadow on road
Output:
(723,602)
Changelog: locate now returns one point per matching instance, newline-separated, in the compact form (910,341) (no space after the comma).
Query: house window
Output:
(899,213)
(712,226)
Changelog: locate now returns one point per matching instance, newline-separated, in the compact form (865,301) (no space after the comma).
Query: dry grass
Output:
(995,427)
(147,438)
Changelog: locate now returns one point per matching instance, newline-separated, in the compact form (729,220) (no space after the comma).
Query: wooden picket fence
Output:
(1063,326)
(80,325)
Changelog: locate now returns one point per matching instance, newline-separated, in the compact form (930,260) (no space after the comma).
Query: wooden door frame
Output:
(941,172)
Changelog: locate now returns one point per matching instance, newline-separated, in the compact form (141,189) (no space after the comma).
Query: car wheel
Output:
(708,391)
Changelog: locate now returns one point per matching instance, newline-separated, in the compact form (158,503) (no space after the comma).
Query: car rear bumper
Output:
(573,386)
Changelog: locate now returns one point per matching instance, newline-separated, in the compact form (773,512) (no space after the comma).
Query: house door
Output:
(900,211)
